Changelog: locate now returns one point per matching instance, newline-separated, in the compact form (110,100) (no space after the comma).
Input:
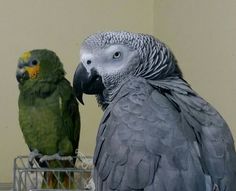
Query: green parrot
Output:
(48,112)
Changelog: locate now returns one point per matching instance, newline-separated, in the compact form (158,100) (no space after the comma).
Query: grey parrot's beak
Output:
(84,82)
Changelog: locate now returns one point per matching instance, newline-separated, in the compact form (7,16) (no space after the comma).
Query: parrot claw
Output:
(35,153)
(55,157)
(90,185)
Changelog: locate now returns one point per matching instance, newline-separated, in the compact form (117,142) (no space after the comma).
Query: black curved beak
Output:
(84,82)
(21,75)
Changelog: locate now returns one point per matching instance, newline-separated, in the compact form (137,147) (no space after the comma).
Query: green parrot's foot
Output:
(55,157)
(33,154)
(90,185)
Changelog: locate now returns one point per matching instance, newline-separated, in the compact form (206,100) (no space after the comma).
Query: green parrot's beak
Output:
(21,75)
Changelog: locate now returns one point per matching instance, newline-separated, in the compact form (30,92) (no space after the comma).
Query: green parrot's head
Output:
(40,64)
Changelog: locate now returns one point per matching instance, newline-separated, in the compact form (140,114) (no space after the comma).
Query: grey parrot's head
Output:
(109,59)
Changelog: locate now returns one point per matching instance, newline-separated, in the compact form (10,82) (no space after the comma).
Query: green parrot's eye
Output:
(116,55)
(34,62)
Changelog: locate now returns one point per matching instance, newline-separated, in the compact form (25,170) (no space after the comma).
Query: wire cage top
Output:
(77,176)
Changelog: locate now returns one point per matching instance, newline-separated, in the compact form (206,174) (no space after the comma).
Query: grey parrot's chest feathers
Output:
(152,130)
(134,134)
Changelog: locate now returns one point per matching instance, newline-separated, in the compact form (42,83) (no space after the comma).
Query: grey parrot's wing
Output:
(213,134)
(141,145)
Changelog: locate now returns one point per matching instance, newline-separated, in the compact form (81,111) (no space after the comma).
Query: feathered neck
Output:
(108,95)
(39,87)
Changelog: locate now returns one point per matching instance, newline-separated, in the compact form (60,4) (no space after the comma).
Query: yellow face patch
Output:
(33,71)
(25,56)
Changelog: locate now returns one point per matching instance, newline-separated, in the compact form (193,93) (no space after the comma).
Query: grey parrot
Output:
(157,133)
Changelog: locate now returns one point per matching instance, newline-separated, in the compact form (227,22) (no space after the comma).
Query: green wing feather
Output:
(70,114)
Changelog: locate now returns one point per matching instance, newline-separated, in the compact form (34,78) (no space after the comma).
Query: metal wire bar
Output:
(33,177)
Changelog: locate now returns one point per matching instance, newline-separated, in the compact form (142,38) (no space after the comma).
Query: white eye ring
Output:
(116,55)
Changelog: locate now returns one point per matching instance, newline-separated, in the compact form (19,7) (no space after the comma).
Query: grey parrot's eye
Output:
(116,55)
(89,62)
(34,62)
